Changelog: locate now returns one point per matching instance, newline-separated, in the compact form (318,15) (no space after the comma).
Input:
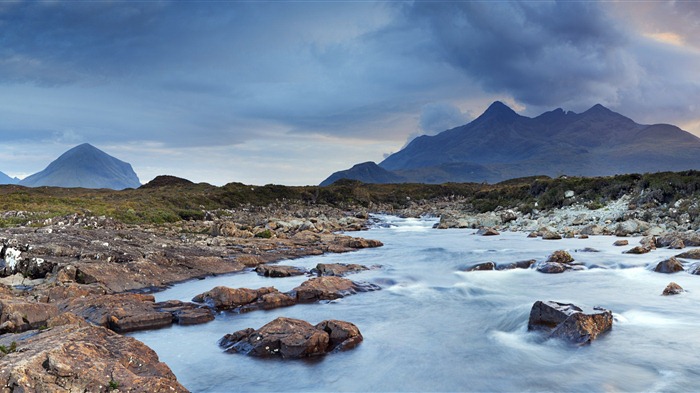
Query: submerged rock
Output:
(569,322)
(671,265)
(672,289)
(690,254)
(517,265)
(279,270)
(480,266)
(293,338)
(638,250)
(486,231)
(337,269)
(619,243)
(551,267)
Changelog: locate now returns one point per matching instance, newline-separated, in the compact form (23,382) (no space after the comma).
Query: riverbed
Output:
(435,328)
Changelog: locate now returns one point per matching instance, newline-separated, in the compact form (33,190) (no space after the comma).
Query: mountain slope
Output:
(4,179)
(501,144)
(85,166)
(369,172)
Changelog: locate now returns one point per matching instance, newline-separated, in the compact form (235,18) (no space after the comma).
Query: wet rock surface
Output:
(569,322)
(329,288)
(337,269)
(279,271)
(293,338)
(671,265)
(244,299)
(672,289)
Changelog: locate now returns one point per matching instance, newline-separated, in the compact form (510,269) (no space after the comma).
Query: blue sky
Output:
(289,92)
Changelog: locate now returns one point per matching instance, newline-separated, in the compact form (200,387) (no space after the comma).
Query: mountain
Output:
(501,144)
(370,172)
(85,166)
(4,179)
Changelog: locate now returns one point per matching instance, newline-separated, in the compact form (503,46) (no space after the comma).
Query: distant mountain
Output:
(85,166)
(501,144)
(369,172)
(4,179)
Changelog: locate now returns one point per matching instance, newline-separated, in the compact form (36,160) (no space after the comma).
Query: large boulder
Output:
(569,322)
(82,358)
(329,288)
(293,338)
(244,299)
(671,265)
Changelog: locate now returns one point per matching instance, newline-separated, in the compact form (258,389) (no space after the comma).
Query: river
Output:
(434,328)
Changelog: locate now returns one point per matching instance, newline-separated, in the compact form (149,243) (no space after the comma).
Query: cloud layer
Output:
(289,92)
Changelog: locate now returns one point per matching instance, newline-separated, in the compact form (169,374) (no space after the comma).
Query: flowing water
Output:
(435,328)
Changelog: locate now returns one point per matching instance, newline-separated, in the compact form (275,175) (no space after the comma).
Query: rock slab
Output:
(569,322)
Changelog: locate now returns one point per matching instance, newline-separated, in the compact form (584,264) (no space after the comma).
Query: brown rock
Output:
(517,265)
(184,313)
(677,244)
(583,236)
(279,271)
(672,289)
(74,358)
(619,243)
(480,266)
(244,299)
(362,243)
(292,338)
(671,265)
(532,235)
(328,288)
(638,250)
(486,231)
(550,235)
(551,267)
(560,256)
(18,315)
(690,254)
(337,269)
(569,322)
(122,313)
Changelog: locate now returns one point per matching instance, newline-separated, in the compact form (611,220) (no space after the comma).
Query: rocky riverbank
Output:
(76,281)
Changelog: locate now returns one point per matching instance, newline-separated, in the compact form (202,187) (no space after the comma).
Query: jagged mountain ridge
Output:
(85,166)
(5,179)
(501,144)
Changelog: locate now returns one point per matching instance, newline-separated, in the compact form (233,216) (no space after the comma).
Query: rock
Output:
(550,235)
(359,242)
(671,265)
(329,288)
(279,271)
(508,216)
(569,322)
(79,358)
(677,244)
(592,230)
(517,265)
(122,313)
(619,243)
(343,335)
(638,250)
(18,315)
(588,249)
(532,235)
(560,256)
(551,267)
(648,242)
(244,299)
(583,236)
(337,269)
(487,232)
(185,313)
(672,289)
(690,239)
(690,254)
(480,266)
(293,338)
(628,228)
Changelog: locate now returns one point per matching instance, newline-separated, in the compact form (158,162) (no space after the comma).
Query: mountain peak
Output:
(598,108)
(499,110)
(85,166)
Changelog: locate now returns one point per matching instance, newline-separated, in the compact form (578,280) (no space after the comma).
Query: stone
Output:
(329,288)
(619,243)
(677,244)
(126,312)
(532,235)
(293,338)
(671,265)
(690,254)
(672,289)
(279,271)
(592,230)
(485,231)
(516,265)
(185,313)
(551,267)
(82,358)
(337,269)
(508,216)
(18,315)
(638,250)
(480,266)
(244,299)
(550,235)
(648,242)
(583,236)
(560,256)
(569,322)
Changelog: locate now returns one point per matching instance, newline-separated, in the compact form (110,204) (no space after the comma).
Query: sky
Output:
(290,92)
